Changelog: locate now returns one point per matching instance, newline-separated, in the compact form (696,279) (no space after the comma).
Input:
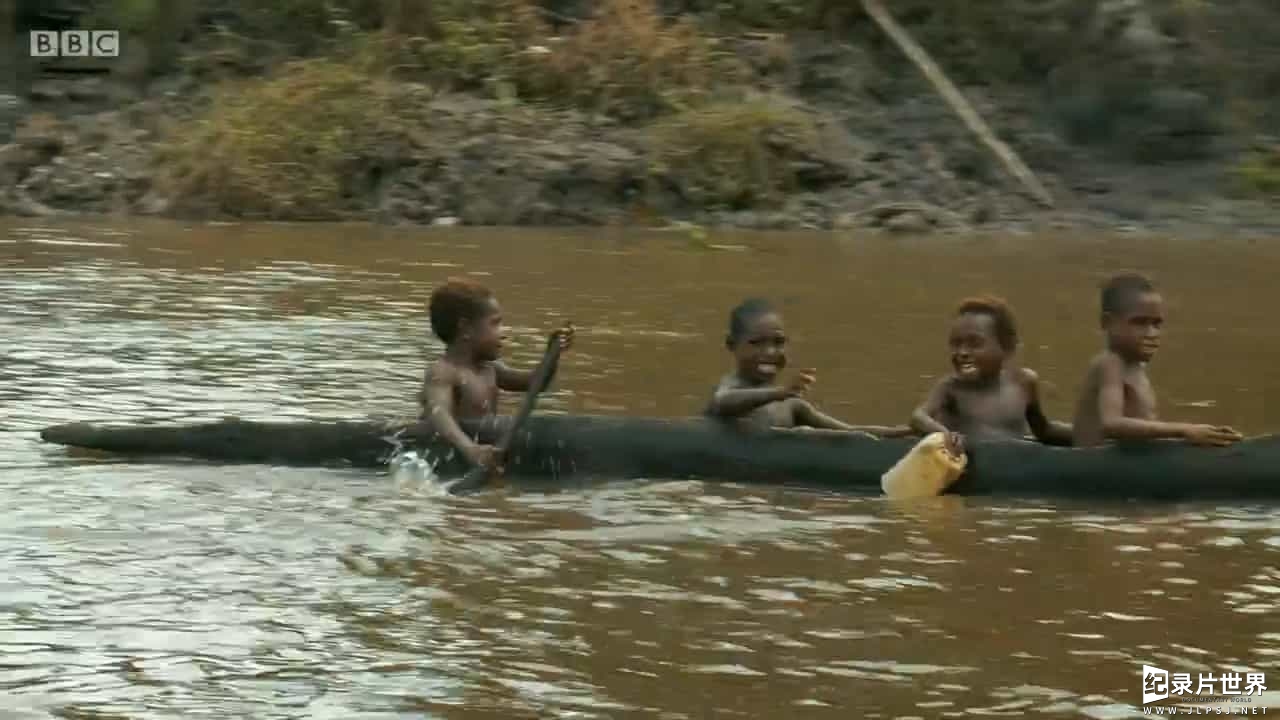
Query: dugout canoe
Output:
(562,449)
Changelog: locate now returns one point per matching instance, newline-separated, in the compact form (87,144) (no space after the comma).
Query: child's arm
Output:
(513,380)
(731,401)
(736,402)
(806,415)
(924,419)
(438,397)
(888,431)
(1049,432)
(1116,426)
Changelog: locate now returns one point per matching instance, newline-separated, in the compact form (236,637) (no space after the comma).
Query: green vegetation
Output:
(1259,173)
(1159,78)
(159,25)
(628,61)
(287,146)
(733,153)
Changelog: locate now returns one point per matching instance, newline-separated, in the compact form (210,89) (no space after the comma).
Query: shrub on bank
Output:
(733,154)
(463,45)
(291,146)
(1259,173)
(298,142)
(624,58)
(628,61)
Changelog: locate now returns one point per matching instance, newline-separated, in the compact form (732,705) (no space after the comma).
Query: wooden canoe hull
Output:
(564,448)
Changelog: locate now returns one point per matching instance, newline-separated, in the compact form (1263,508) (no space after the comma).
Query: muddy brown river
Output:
(182,590)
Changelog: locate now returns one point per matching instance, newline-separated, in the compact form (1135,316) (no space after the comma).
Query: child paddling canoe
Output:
(463,383)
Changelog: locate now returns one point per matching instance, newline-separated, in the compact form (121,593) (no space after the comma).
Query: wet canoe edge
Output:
(565,448)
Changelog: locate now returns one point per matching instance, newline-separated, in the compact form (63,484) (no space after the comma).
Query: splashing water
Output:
(408,469)
(413,471)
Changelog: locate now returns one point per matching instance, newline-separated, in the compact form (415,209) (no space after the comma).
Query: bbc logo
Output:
(75,43)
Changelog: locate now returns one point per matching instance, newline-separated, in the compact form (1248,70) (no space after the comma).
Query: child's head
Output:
(465,312)
(983,336)
(1132,316)
(757,340)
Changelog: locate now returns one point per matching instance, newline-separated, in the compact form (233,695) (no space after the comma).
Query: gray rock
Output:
(518,180)
(23,205)
(90,91)
(908,223)
(847,221)
(47,92)
(153,203)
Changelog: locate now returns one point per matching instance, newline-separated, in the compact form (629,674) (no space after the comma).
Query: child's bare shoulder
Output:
(946,385)
(730,382)
(442,371)
(1104,363)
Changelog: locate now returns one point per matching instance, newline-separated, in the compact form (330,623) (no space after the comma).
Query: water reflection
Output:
(185,590)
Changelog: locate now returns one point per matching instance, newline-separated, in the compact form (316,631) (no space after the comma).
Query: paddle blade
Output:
(475,479)
(928,469)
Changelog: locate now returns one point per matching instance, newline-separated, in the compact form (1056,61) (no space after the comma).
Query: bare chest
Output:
(476,393)
(779,414)
(1001,409)
(1139,396)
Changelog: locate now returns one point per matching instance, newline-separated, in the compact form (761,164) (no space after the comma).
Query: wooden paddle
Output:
(478,476)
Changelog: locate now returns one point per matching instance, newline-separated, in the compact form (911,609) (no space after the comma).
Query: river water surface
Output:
(133,590)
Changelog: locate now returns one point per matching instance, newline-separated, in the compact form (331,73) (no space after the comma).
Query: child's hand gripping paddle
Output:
(478,476)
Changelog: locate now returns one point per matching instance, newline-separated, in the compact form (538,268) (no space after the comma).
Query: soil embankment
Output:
(1141,115)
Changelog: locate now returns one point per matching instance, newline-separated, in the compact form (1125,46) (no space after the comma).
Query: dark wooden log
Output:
(559,449)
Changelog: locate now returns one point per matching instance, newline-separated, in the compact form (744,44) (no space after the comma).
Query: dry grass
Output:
(733,154)
(293,143)
(629,61)
(286,146)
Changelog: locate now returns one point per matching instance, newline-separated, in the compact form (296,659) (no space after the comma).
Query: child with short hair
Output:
(986,394)
(463,383)
(1117,401)
(751,392)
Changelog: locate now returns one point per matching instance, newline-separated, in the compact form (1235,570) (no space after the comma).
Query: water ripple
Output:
(142,591)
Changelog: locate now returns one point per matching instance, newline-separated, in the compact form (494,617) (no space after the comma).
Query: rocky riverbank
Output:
(840,140)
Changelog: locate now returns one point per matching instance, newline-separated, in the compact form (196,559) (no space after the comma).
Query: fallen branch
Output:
(1012,163)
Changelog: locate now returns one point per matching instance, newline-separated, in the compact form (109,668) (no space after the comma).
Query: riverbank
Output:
(817,133)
